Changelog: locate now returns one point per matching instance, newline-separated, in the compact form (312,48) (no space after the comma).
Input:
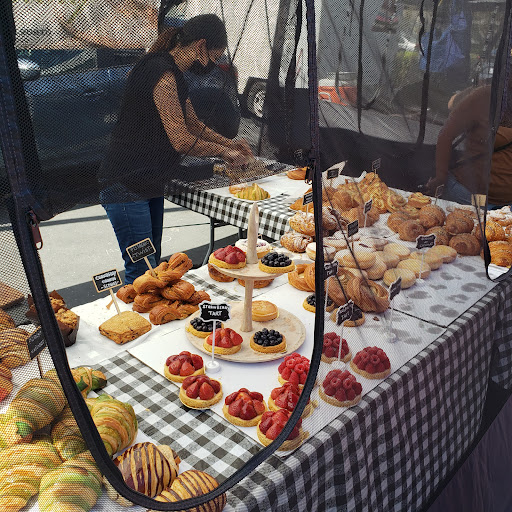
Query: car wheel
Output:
(256,99)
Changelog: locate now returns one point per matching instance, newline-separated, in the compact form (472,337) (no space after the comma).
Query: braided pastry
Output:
(367,295)
(186,310)
(501,253)
(410,230)
(165,274)
(144,302)
(5,381)
(180,262)
(393,200)
(181,290)
(13,347)
(442,236)
(146,283)
(431,215)
(296,278)
(198,297)
(418,200)
(396,219)
(303,223)
(457,223)
(465,244)
(494,232)
(295,242)
(6,321)
(126,293)
(164,313)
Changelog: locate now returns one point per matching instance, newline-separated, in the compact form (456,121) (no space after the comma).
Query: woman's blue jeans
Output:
(455,191)
(133,222)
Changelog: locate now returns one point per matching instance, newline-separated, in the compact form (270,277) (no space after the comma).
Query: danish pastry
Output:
(501,253)
(418,200)
(295,242)
(164,313)
(297,280)
(303,223)
(465,244)
(494,232)
(180,290)
(393,200)
(367,295)
(337,290)
(147,301)
(146,283)
(431,215)
(458,223)
(410,230)
(396,219)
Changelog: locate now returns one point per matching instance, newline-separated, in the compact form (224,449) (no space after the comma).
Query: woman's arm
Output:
(199,129)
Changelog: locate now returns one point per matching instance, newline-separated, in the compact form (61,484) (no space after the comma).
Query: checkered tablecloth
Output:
(388,453)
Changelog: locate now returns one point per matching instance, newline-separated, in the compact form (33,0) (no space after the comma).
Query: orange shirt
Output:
(500,186)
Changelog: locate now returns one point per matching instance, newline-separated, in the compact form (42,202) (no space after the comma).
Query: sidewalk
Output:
(81,243)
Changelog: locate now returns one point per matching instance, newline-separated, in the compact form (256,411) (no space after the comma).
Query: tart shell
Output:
(308,307)
(195,403)
(268,350)
(265,311)
(275,270)
(289,444)
(222,350)
(308,410)
(330,360)
(200,334)
(282,381)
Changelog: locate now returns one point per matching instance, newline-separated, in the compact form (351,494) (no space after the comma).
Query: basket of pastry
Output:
(67,320)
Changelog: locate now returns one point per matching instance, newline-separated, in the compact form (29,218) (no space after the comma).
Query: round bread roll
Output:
(421,270)
(334,242)
(391,275)
(391,260)
(398,249)
(447,253)
(363,258)
(433,259)
(376,271)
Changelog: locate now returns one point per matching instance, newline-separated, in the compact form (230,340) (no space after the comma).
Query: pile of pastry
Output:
(163,293)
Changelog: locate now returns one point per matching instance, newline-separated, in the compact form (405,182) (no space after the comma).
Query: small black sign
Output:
(308,198)
(395,288)
(376,165)
(345,312)
(353,228)
(36,343)
(106,280)
(330,269)
(209,311)
(333,173)
(140,250)
(368,206)
(439,191)
(424,241)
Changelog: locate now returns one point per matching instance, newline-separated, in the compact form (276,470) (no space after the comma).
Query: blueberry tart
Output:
(201,328)
(309,303)
(276,263)
(268,341)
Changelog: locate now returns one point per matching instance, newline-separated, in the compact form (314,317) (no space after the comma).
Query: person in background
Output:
(157,125)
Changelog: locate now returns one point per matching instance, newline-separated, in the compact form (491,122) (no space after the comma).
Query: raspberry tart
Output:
(276,263)
(271,425)
(201,328)
(294,369)
(178,367)
(340,388)
(244,408)
(331,347)
(227,341)
(372,363)
(200,392)
(309,303)
(228,257)
(268,341)
(286,397)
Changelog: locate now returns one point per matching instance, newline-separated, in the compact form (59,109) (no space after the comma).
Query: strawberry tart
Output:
(286,397)
(271,425)
(227,341)
(340,388)
(331,348)
(178,367)
(294,369)
(228,257)
(372,363)
(244,408)
(200,392)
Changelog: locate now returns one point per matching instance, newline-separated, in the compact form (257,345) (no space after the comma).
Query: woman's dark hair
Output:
(205,26)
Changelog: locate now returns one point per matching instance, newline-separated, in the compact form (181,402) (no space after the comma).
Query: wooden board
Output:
(286,323)
(9,296)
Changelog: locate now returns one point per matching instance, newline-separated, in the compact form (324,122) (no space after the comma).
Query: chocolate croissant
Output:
(198,297)
(126,293)
(465,244)
(164,313)
(147,301)
(181,290)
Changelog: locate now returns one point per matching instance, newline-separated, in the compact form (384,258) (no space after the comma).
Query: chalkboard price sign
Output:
(209,311)
(36,343)
(330,269)
(368,206)
(395,288)
(140,250)
(345,312)
(308,198)
(425,241)
(353,228)
(376,165)
(106,280)
(333,173)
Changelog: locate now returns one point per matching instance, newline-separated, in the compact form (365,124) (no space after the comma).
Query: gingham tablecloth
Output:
(388,453)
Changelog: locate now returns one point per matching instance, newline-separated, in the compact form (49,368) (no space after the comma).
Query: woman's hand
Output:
(242,146)
(235,157)
(432,184)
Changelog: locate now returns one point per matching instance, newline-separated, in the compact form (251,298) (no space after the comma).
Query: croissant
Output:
(180,262)
(413,213)
(431,215)
(198,297)
(297,174)
(74,486)
(6,321)
(163,314)
(367,295)
(253,193)
(190,484)
(181,290)
(457,223)
(396,219)
(5,381)
(296,278)
(298,204)
(126,293)
(358,213)
(410,230)
(147,301)
(501,253)
(66,435)
(344,199)
(21,469)
(295,242)
(115,421)
(329,221)
(186,310)
(494,232)
(146,283)
(442,236)
(465,244)
(303,223)
(88,379)
(13,347)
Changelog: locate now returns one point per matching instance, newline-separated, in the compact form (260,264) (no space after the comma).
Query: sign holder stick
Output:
(39,366)
(341,341)
(149,266)
(213,366)
(390,334)
(114,301)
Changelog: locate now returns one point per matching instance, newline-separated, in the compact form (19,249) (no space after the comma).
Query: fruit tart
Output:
(286,397)
(331,348)
(200,392)
(268,341)
(227,341)
(262,247)
(372,363)
(271,425)
(244,408)
(340,388)
(264,311)
(178,367)
(201,328)
(294,369)
(228,257)
(309,303)
(276,263)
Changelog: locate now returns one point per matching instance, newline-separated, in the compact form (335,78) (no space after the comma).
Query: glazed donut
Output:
(432,215)
(457,223)
(465,244)
(126,293)
(181,290)
(442,236)
(295,242)
(303,223)
(217,275)
(418,200)
(410,230)
(297,280)
(147,284)
(367,295)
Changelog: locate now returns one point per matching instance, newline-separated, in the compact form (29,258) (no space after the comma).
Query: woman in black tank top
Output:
(156,126)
